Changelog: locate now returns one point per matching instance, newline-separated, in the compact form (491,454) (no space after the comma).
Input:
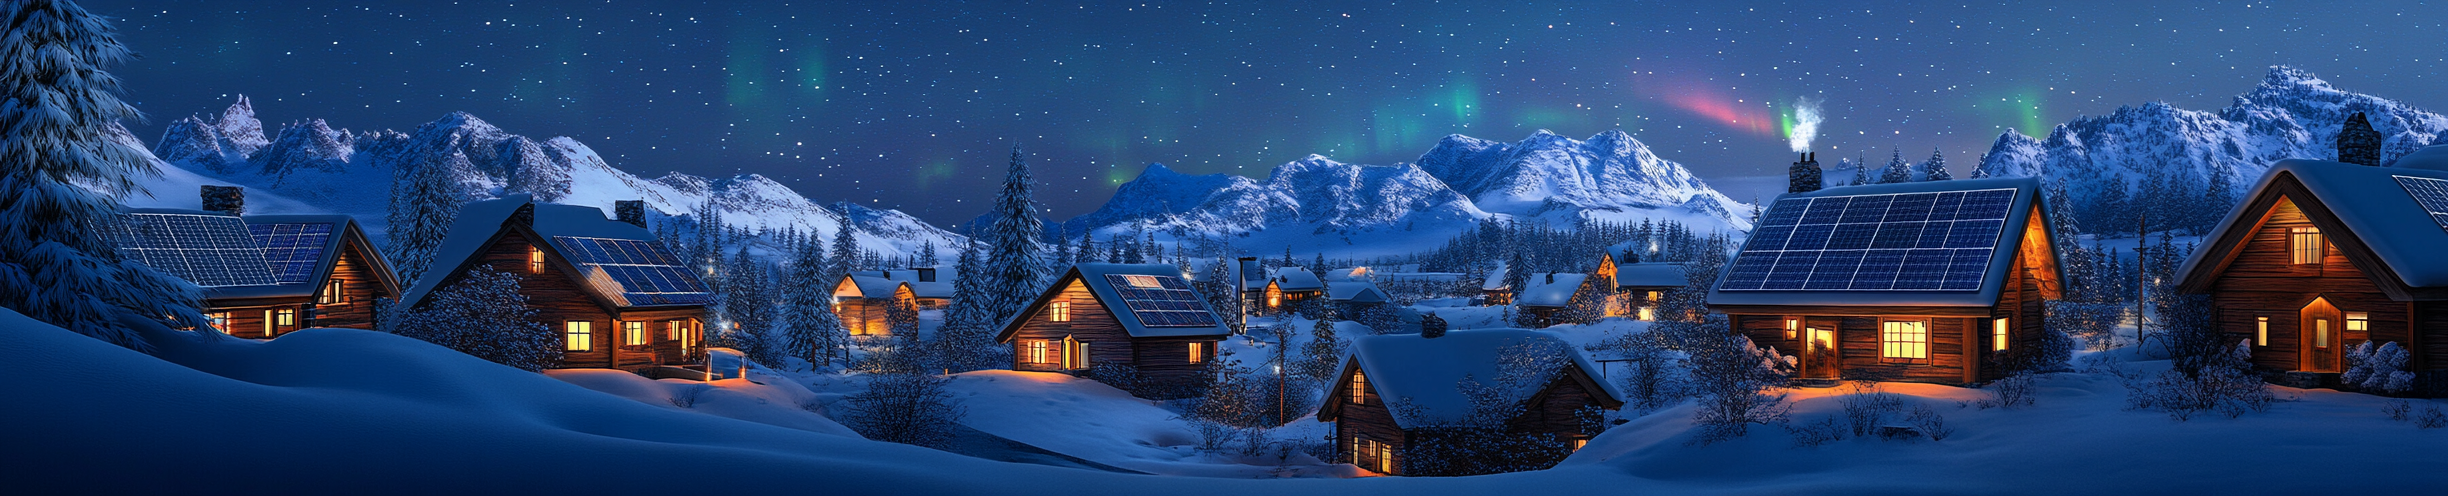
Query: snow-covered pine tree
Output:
(965,342)
(423,204)
(846,252)
(706,246)
(485,316)
(1517,273)
(814,333)
(926,255)
(1897,171)
(1223,296)
(1087,249)
(1134,252)
(63,175)
(1014,262)
(1861,170)
(1935,169)
(1062,246)
(749,304)
(1322,356)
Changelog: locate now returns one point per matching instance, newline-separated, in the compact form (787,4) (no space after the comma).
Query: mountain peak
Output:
(2282,76)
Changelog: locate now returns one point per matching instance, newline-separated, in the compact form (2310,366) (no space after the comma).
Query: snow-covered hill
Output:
(337,170)
(2291,114)
(1316,204)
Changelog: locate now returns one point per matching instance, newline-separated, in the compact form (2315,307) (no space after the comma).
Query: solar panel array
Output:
(293,250)
(1161,301)
(642,272)
(2431,193)
(1889,242)
(208,250)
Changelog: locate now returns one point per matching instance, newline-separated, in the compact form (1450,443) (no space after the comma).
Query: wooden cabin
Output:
(931,286)
(1140,316)
(864,302)
(1639,286)
(1291,285)
(1917,282)
(620,299)
(1425,374)
(2323,256)
(1352,296)
(1493,291)
(1549,296)
(264,276)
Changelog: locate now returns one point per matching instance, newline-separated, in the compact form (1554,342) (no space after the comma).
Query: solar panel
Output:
(1161,301)
(642,272)
(2431,193)
(1887,242)
(208,250)
(294,250)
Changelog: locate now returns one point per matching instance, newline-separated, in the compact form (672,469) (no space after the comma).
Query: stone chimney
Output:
(632,212)
(1803,177)
(2358,143)
(225,199)
(1551,278)
(926,274)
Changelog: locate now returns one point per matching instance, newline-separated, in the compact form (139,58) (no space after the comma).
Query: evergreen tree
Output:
(1062,246)
(1014,263)
(749,304)
(1897,171)
(814,333)
(1936,167)
(62,175)
(1322,357)
(846,252)
(1134,252)
(1861,170)
(485,316)
(424,202)
(706,247)
(1087,249)
(1517,273)
(926,255)
(1287,259)
(965,342)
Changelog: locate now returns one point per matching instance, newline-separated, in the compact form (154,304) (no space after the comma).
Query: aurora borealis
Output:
(911,105)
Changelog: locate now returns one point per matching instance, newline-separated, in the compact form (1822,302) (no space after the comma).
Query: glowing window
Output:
(1997,335)
(1648,313)
(535,259)
(633,333)
(1059,311)
(220,320)
(2261,333)
(332,293)
(1374,456)
(1904,341)
(1793,326)
(1579,442)
(1359,388)
(1654,295)
(578,335)
(673,331)
(2320,333)
(1033,351)
(288,316)
(2304,245)
(269,323)
(2358,321)
(1198,352)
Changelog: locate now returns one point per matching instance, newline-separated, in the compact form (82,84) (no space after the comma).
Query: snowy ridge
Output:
(1318,204)
(338,171)
(2291,114)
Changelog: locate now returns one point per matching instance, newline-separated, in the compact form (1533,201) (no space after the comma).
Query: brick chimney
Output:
(630,211)
(2357,142)
(1803,177)
(225,199)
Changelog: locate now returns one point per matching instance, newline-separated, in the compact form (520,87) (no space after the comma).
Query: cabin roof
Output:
(941,287)
(1355,292)
(1495,279)
(1297,279)
(1427,373)
(303,251)
(1991,275)
(1348,274)
(212,250)
(874,285)
(1555,292)
(1093,277)
(2372,204)
(1650,275)
(645,276)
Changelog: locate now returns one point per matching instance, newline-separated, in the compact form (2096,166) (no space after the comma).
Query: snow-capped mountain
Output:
(339,171)
(1318,204)
(2291,114)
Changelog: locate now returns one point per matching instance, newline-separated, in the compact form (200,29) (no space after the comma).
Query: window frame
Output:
(288,317)
(270,325)
(1033,351)
(218,320)
(1198,352)
(633,333)
(535,259)
(2358,321)
(2305,246)
(1059,311)
(1793,328)
(1999,337)
(1891,347)
(578,336)
(1359,387)
(335,292)
(2320,333)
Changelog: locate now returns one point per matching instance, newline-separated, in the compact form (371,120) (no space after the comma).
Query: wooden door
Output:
(2322,328)
(1819,360)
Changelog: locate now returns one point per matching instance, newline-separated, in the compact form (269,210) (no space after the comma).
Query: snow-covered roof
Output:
(1093,276)
(1650,275)
(479,223)
(1446,277)
(1349,274)
(1552,289)
(2027,196)
(872,285)
(1297,279)
(2370,201)
(1495,280)
(1426,372)
(212,250)
(1355,292)
(301,268)
(1627,252)
(939,287)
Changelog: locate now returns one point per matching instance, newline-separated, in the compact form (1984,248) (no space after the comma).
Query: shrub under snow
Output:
(2378,369)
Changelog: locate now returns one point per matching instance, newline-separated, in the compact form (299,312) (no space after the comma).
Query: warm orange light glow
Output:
(578,335)
(1793,325)
(1998,335)
(1059,311)
(1198,352)
(2261,336)
(1359,388)
(1904,341)
(535,259)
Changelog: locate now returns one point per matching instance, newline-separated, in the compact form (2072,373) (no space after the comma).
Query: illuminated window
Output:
(288,317)
(673,331)
(269,323)
(2261,334)
(1075,354)
(1904,341)
(1579,442)
(1198,352)
(332,293)
(535,259)
(1033,351)
(578,335)
(220,320)
(2304,245)
(2358,321)
(1059,311)
(1359,388)
(2320,333)
(633,333)
(1793,327)
(1374,456)
(1648,313)
(1997,335)
(1654,296)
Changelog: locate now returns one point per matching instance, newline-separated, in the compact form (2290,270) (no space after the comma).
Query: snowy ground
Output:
(343,411)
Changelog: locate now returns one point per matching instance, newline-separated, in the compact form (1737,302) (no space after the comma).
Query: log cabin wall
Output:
(358,289)
(1165,363)
(1557,409)
(1090,322)
(556,298)
(1367,418)
(248,321)
(662,348)
(2263,282)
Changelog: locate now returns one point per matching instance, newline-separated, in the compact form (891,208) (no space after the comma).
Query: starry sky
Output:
(913,105)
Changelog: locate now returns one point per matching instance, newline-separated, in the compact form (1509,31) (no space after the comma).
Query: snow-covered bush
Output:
(2223,382)
(687,397)
(482,315)
(1736,383)
(2013,391)
(906,408)
(1322,357)
(2092,322)
(2431,419)
(1929,422)
(2398,410)
(2378,369)
(1432,326)
(1815,434)
(1651,378)
(1867,406)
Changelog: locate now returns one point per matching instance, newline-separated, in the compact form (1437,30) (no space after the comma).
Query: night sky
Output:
(913,105)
